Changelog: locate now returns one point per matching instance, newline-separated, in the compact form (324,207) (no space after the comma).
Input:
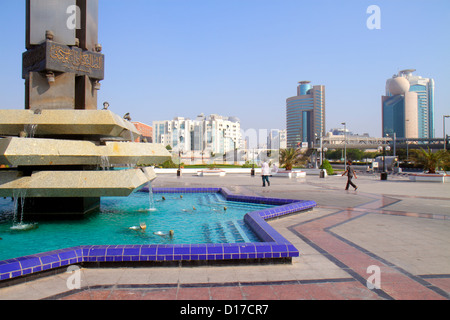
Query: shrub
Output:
(168,164)
(327,166)
(248,164)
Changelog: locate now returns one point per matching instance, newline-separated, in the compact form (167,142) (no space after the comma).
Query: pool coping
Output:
(274,245)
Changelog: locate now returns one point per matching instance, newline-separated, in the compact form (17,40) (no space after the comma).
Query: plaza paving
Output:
(398,226)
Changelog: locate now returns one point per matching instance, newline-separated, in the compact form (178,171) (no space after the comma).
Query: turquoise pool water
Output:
(194,218)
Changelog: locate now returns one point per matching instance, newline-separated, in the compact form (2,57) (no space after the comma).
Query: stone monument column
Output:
(62,68)
(63,64)
(61,151)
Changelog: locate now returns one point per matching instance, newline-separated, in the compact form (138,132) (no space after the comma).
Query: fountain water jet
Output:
(19,201)
(104,163)
(19,204)
(151,200)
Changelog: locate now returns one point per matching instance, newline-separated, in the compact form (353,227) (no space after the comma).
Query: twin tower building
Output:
(407,110)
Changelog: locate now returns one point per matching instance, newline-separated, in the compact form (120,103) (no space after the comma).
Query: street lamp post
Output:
(395,146)
(321,148)
(322,172)
(407,150)
(345,144)
(179,163)
(444,136)
(252,172)
(407,144)
(383,148)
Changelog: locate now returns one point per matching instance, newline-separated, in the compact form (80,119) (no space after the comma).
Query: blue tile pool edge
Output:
(274,245)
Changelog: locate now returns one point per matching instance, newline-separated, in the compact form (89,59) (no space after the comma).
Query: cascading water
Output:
(19,204)
(31,128)
(104,163)
(19,201)
(151,200)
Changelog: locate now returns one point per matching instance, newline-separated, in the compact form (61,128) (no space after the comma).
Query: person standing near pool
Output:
(265,172)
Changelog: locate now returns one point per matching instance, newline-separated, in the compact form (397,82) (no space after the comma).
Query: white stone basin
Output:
(427,177)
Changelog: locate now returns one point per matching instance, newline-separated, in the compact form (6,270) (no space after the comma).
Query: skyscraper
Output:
(425,103)
(408,106)
(399,109)
(305,115)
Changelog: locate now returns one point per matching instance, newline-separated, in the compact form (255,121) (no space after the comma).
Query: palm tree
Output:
(446,160)
(290,157)
(428,159)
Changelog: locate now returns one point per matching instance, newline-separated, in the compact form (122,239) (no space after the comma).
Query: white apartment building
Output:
(277,139)
(203,137)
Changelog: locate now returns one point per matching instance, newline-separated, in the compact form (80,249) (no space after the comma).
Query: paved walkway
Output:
(396,229)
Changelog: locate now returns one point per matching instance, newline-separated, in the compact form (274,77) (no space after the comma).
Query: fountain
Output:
(59,150)
(60,154)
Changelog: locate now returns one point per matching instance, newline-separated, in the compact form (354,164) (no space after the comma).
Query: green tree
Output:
(334,154)
(355,154)
(446,161)
(290,158)
(428,159)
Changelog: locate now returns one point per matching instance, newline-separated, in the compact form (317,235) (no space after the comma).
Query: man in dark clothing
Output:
(350,173)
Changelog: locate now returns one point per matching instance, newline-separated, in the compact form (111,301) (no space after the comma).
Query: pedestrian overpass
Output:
(367,143)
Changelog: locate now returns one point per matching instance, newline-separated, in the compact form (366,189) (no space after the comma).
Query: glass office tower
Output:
(400,109)
(425,95)
(305,115)
(424,88)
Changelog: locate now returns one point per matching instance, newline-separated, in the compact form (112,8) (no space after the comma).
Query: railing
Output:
(351,142)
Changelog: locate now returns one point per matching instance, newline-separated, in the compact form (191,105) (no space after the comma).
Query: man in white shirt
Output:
(265,172)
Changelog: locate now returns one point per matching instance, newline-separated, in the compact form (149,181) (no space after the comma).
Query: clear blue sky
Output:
(167,58)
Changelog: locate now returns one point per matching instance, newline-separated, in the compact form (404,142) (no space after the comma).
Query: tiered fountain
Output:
(59,149)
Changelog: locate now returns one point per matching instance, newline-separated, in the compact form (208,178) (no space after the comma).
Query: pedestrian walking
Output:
(350,174)
(265,172)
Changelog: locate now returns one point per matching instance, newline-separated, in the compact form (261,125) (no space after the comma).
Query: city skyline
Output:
(244,57)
